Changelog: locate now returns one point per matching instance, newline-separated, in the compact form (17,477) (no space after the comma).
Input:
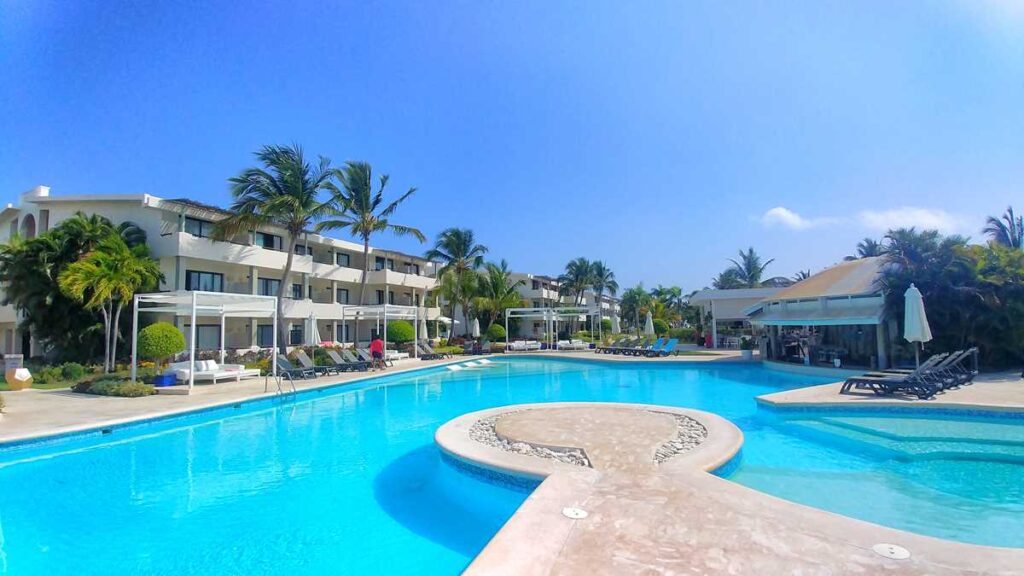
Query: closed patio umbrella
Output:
(423,327)
(915,321)
(312,332)
(476,328)
(616,328)
(649,325)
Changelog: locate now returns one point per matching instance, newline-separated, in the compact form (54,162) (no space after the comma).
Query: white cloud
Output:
(907,216)
(784,217)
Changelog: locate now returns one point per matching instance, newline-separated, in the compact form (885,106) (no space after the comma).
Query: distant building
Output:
(724,312)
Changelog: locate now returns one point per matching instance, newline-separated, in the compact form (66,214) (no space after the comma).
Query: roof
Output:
(866,314)
(853,278)
(707,295)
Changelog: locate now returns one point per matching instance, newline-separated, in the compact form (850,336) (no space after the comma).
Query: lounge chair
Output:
(643,350)
(423,354)
(532,345)
(210,371)
(607,349)
(665,350)
(306,362)
(425,346)
(287,369)
(352,359)
(918,383)
(347,365)
(517,346)
(367,357)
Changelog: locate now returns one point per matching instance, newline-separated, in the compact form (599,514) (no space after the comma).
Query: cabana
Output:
(382,313)
(194,303)
(550,317)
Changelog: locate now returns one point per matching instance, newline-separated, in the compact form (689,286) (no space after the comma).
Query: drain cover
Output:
(891,551)
(574,513)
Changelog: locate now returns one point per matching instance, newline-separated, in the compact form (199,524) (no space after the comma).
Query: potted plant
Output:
(158,342)
(747,348)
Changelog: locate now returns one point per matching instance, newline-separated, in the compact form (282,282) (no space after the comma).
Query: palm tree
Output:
(106,279)
(496,292)
(284,193)
(749,269)
(357,208)
(635,303)
(867,248)
(578,276)
(727,280)
(456,249)
(602,280)
(801,275)
(1006,230)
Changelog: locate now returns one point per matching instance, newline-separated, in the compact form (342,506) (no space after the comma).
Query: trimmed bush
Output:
(160,341)
(683,334)
(400,332)
(495,332)
(660,327)
(120,388)
(48,375)
(72,371)
(606,325)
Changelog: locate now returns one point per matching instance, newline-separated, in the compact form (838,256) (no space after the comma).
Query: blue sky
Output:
(660,137)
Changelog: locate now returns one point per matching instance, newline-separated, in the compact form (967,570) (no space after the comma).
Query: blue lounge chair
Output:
(643,351)
(665,350)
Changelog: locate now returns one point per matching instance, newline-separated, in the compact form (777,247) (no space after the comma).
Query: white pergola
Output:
(381,313)
(193,303)
(550,316)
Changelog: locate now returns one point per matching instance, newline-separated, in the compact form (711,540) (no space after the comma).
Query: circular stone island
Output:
(536,440)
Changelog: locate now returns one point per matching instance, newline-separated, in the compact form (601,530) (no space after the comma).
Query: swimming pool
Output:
(348,479)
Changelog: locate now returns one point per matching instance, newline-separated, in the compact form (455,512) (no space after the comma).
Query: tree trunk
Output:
(362,283)
(113,337)
(282,326)
(106,338)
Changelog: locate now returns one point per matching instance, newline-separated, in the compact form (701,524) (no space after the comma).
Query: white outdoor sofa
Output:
(210,371)
(532,345)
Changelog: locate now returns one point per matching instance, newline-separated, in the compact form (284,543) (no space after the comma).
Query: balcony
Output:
(301,309)
(392,278)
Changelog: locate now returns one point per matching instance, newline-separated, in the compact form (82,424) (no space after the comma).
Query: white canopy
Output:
(382,313)
(549,315)
(194,303)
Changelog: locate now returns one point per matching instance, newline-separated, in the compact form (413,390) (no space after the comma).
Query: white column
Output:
(882,349)
(714,327)
(192,347)
(385,338)
(415,331)
(273,353)
(223,329)
(135,334)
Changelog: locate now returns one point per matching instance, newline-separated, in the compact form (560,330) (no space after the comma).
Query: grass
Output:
(4,387)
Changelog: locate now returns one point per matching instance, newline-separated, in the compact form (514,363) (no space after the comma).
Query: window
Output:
(380,263)
(205,281)
(44,221)
(207,336)
(295,336)
(269,241)
(197,227)
(391,297)
(267,286)
(342,295)
(343,336)
(342,260)
(303,250)
(380,296)
(265,335)
(411,268)
(536,285)
(416,299)
(296,291)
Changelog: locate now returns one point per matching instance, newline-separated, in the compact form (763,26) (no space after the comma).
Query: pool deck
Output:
(997,392)
(674,518)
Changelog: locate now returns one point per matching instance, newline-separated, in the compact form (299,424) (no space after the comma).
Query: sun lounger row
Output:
(210,371)
(937,373)
(427,353)
(635,347)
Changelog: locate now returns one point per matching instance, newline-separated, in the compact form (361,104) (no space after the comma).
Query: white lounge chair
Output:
(532,345)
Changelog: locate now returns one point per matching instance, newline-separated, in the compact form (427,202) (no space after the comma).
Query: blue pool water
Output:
(348,480)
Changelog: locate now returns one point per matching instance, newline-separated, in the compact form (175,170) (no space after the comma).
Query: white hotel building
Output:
(540,291)
(326,272)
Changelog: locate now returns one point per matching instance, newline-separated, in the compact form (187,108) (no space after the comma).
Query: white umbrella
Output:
(616,328)
(649,325)
(312,332)
(423,328)
(476,328)
(915,321)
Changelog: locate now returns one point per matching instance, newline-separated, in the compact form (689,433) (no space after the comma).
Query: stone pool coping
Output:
(684,520)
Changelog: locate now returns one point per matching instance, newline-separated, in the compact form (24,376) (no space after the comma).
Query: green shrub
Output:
(48,375)
(72,371)
(121,388)
(160,341)
(606,325)
(400,332)
(495,332)
(660,327)
(683,334)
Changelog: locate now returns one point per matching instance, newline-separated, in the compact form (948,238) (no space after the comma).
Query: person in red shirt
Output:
(377,351)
